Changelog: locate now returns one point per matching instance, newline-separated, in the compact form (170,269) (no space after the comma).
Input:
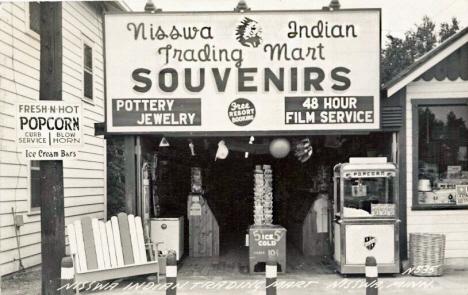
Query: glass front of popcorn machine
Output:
(366,215)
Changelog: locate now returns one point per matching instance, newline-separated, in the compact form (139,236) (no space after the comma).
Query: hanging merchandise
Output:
(333,141)
(279,148)
(303,150)
(263,195)
(250,142)
(164,143)
(145,205)
(222,151)
(153,166)
(196,180)
(192,147)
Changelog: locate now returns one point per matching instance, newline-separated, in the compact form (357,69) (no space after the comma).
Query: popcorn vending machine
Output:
(366,215)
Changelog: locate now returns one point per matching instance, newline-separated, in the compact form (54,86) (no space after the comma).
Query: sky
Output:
(398,16)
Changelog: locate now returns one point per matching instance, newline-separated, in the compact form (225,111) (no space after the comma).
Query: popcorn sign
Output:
(49,130)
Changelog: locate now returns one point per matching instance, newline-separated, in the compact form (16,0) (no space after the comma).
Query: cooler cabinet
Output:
(266,242)
(169,231)
(366,215)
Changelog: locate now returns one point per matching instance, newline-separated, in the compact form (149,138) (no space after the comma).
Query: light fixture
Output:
(164,143)
(280,147)
(222,151)
(191,146)
(250,142)
(241,7)
(150,7)
(334,5)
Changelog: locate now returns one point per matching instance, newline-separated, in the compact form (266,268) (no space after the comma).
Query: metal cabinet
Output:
(366,217)
(169,231)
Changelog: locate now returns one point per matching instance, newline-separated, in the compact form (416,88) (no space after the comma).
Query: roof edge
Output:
(423,59)
(118,5)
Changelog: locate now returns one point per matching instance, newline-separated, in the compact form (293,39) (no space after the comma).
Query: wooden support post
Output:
(139,180)
(130,175)
(52,225)
(52,197)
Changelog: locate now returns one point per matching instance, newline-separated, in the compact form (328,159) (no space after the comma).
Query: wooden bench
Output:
(115,249)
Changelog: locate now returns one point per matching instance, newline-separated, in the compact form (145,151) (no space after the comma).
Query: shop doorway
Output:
(228,188)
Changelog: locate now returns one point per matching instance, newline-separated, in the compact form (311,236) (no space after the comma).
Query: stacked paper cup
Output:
(258,195)
(267,195)
(263,195)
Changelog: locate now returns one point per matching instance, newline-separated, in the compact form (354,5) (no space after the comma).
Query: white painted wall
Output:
(84,180)
(452,223)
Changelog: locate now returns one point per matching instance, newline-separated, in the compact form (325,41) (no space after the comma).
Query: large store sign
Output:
(264,71)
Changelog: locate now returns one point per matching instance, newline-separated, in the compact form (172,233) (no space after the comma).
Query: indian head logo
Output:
(249,33)
(369,242)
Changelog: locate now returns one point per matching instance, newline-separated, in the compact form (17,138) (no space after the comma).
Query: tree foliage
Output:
(115,176)
(399,53)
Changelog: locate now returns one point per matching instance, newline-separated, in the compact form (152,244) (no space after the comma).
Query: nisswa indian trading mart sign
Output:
(258,71)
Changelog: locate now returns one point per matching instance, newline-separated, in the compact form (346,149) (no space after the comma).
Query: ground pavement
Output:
(451,283)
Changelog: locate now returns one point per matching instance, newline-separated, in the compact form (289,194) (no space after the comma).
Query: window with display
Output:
(369,197)
(440,165)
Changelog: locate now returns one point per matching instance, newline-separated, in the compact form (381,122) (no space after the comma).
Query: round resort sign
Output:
(241,112)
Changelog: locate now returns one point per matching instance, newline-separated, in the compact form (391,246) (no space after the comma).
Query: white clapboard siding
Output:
(7,219)
(79,201)
(84,210)
(13,265)
(10,243)
(83,192)
(452,223)
(18,194)
(12,170)
(19,206)
(27,229)
(84,180)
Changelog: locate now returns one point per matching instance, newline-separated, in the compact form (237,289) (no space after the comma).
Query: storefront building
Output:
(84,180)
(238,119)
(433,144)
